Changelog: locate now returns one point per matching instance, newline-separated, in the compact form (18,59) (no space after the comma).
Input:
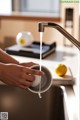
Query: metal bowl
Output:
(46,80)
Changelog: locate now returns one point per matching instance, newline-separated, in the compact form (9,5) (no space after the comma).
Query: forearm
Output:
(6,58)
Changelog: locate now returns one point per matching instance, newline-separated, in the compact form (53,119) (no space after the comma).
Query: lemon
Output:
(61,70)
(22,41)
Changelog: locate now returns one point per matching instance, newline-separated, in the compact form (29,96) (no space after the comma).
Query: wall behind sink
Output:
(10,28)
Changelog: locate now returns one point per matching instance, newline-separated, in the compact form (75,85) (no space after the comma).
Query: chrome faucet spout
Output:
(42,26)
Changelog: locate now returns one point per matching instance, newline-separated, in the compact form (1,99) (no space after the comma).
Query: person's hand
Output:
(17,75)
(28,64)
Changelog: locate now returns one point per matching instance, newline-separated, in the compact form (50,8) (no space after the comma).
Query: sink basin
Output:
(24,105)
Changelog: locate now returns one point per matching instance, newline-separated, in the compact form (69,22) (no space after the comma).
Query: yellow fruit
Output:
(61,70)
(22,41)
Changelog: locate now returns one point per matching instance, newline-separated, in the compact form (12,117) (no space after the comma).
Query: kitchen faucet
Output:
(42,25)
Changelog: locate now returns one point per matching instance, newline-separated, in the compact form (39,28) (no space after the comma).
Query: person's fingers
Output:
(22,87)
(37,72)
(32,71)
(25,82)
(28,77)
(29,64)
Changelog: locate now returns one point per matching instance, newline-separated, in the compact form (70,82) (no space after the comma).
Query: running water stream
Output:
(41,34)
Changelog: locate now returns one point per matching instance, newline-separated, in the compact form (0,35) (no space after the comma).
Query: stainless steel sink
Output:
(24,105)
